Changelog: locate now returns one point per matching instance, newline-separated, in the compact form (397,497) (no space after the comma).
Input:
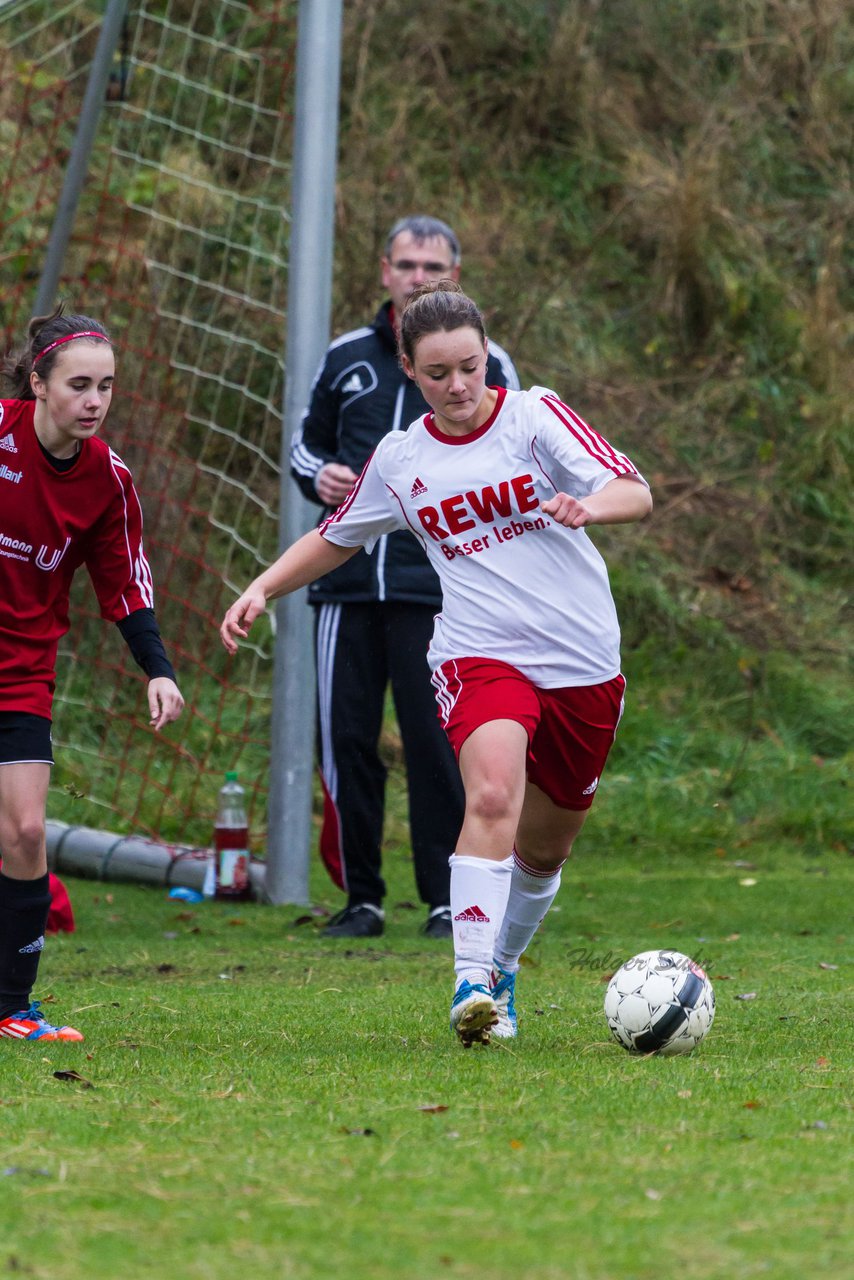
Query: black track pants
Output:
(361,648)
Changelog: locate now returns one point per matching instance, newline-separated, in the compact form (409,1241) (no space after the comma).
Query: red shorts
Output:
(570,731)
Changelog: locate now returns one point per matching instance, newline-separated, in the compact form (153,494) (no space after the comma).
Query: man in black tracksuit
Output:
(374,615)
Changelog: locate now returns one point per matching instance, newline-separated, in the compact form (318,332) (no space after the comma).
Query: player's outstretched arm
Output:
(310,557)
(618,502)
(165,701)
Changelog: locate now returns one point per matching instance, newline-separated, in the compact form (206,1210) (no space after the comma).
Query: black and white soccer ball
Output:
(659,1002)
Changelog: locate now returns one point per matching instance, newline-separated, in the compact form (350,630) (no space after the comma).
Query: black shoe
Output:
(360,921)
(439,923)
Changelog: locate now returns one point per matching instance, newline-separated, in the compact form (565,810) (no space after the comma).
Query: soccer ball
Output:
(659,1002)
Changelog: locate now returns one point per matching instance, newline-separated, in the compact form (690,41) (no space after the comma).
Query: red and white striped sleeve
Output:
(116,560)
(368,511)
(586,457)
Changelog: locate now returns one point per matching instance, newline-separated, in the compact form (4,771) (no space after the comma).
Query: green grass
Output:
(262,1099)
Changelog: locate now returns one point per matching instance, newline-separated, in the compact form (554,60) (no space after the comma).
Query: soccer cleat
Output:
(473,1013)
(502,988)
(439,923)
(31,1025)
(363,920)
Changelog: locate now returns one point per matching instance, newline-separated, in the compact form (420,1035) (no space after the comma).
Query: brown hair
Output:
(434,307)
(42,332)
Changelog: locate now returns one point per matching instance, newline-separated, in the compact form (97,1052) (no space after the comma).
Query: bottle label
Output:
(233,869)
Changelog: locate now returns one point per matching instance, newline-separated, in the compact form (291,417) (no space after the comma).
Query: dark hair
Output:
(421,227)
(434,307)
(41,333)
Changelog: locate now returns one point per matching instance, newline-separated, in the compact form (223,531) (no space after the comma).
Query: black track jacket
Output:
(359,395)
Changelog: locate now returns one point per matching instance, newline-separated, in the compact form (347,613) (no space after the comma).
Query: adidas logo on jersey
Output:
(473,915)
(418,488)
(353,384)
(8,443)
(588,791)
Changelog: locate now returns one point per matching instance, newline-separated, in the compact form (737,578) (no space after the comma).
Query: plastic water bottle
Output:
(231,842)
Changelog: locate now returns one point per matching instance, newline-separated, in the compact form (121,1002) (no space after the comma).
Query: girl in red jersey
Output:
(499,486)
(65,499)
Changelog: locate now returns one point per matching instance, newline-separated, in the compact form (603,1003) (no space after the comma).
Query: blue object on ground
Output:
(186,895)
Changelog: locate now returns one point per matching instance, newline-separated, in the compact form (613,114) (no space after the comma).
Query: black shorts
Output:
(24,738)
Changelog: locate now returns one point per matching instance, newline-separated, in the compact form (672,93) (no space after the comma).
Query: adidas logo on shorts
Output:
(588,791)
(32,947)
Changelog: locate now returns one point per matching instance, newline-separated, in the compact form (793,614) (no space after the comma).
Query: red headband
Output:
(69,338)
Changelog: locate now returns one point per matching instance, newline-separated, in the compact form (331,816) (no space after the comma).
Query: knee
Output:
(23,841)
(491,801)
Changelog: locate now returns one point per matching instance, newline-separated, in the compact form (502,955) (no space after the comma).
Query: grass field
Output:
(256,1098)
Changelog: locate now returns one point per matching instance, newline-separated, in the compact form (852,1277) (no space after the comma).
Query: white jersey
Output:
(516,585)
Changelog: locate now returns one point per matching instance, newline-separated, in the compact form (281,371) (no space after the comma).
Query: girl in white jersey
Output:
(65,499)
(499,487)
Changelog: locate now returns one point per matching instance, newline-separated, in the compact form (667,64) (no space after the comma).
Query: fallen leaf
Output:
(434,1108)
(748,883)
(652,1194)
(748,995)
(684,1093)
(516,1144)
(732,937)
(73,1077)
(752,1105)
(822,965)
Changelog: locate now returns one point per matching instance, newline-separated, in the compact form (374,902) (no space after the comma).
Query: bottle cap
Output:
(231,776)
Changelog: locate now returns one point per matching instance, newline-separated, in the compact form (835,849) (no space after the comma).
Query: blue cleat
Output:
(503,989)
(473,1013)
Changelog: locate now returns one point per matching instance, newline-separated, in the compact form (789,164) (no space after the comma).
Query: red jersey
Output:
(51,522)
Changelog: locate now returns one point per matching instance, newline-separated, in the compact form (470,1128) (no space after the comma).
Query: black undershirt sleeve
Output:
(142,636)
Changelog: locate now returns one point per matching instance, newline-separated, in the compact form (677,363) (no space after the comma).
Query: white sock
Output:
(532,892)
(479,889)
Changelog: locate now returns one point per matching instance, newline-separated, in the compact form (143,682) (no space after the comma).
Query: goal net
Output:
(180,245)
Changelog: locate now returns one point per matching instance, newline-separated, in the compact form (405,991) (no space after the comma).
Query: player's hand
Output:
(333,482)
(165,702)
(240,617)
(567,511)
